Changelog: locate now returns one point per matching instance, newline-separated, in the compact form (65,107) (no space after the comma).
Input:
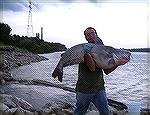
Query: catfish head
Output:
(121,56)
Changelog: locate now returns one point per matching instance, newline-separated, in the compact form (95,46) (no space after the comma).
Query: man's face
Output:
(90,35)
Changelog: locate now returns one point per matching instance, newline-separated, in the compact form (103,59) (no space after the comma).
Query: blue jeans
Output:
(99,99)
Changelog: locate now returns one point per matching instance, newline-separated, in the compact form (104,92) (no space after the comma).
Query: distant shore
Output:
(139,50)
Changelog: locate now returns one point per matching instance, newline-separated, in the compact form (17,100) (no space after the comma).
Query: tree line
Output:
(139,50)
(32,44)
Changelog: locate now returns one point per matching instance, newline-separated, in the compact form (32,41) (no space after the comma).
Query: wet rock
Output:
(21,111)
(19,64)
(121,112)
(7,100)
(67,112)
(51,108)
(1,91)
(58,108)
(22,103)
(7,48)
(67,106)
(18,111)
(6,76)
(3,63)
(11,111)
(3,107)
(2,81)
(12,102)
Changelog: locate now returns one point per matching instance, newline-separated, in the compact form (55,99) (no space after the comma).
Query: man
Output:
(90,84)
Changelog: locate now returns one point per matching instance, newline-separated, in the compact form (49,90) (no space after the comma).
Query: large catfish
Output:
(105,57)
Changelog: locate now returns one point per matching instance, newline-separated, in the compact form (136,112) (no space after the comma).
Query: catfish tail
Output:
(57,73)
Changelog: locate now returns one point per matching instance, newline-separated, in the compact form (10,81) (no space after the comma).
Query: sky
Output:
(119,23)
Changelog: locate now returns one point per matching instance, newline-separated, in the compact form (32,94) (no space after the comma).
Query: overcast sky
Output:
(119,23)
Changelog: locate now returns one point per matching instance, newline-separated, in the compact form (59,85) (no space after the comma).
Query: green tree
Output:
(5,33)
(32,44)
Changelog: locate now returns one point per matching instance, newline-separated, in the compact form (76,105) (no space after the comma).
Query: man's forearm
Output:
(89,62)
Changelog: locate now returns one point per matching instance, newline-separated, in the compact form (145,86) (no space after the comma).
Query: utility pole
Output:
(30,26)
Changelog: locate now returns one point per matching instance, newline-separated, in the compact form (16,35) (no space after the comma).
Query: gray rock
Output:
(51,108)
(1,91)
(21,111)
(7,100)
(58,108)
(13,101)
(3,107)
(11,111)
(7,48)
(18,111)
(3,64)
(6,76)
(67,112)
(22,103)
(2,81)
(67,106)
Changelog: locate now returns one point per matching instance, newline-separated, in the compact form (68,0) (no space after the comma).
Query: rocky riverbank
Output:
(11,57)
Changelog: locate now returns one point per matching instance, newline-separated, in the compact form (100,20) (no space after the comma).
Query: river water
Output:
(127,83)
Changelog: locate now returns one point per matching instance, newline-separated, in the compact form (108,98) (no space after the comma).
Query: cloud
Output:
(16,5)
(22,5)
(37,5)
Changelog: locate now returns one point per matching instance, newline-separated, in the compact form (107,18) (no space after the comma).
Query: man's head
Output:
(90,34)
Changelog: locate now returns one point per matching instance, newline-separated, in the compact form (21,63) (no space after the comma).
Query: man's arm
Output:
(89,61)
(92,66)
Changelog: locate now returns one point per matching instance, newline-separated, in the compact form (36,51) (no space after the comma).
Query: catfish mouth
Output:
(126,58)
(124,61)
(122,58)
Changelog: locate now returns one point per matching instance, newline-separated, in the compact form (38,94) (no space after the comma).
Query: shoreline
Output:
(23,88)
(12,57)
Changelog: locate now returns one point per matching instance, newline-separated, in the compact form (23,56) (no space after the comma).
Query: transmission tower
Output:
(30,26)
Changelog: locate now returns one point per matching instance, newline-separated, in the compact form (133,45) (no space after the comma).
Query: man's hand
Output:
(89,62)
(87,47)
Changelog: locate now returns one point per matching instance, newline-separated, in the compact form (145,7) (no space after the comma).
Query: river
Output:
(127,83)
